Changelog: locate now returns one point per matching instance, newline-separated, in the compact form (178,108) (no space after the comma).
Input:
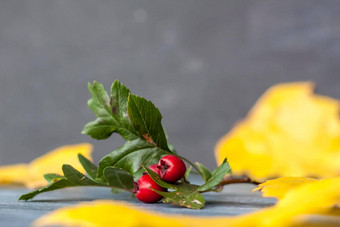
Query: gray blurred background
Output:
(203,63)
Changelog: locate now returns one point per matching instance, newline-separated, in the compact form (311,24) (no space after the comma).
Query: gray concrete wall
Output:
(203,63)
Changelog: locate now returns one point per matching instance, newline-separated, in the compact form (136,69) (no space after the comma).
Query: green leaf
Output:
(229,170)
(189,199)
(186,175)
(116,190)
(139,173)
(216,177)
(131,156)
(52,177)
(119,178)
(119,99)
(63,183)
(105,124)
(71,178)
(172,148)
(90,168)
(110,111)
(77,178)
(206,174)
(146,119)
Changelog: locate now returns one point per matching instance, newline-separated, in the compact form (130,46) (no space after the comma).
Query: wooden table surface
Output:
(233,200)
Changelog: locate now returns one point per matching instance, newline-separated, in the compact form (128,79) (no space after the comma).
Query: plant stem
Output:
(193,165)
(181,157)
(231,180)
(185,180)
(236,180)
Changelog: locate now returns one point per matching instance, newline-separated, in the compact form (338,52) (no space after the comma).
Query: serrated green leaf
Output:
(205,173)
(90,168)
(146,119)
(63,183)
(119,99)
(119,178)
(105,124)
(71,178)
(131,156)
(52,177)
(216,177)
(77,178)
(110,111)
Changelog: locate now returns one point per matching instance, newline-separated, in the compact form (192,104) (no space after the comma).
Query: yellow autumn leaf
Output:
(296,208)
(314,198)
(31,175)
(300,204)
(279,187)
(289,132)
(13,174)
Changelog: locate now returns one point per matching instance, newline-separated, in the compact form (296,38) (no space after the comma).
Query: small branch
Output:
(231,180)
(237,180)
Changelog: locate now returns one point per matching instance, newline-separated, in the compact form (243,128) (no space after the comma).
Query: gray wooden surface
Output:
(233,200)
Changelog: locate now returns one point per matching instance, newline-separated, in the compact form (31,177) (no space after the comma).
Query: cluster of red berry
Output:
(170,168)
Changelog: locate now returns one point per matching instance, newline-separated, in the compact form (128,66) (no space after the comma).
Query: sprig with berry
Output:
(138,121)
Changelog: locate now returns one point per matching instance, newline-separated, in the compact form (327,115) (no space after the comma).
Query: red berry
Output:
(171,168)
(143,191)
(153,168)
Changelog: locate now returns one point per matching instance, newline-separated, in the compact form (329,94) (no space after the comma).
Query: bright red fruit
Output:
(171,168)
(143,191)
(153,168)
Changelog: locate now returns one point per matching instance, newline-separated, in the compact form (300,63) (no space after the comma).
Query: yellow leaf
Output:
(299,205)
(295,208)
(289,132)
(13,174)
(314,198)
(31,175)
(280,186)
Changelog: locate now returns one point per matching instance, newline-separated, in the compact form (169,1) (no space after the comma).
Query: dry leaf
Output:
(289,132)
(314,198)
(31,175)
(279,187)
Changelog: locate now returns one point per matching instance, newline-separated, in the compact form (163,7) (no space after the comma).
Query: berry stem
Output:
(193,165)
(185,180)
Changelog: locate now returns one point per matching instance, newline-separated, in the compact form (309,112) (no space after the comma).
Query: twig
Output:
(231,180)
(236,180)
